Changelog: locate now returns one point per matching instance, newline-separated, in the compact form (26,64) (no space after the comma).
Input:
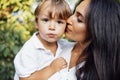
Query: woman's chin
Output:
(69,37)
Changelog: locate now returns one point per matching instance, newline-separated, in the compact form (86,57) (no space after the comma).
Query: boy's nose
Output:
(52,25)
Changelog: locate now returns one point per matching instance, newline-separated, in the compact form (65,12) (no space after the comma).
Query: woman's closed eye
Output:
(79,20)
(80,17)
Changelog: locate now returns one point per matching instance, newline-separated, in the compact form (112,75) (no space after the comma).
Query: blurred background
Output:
(16,26)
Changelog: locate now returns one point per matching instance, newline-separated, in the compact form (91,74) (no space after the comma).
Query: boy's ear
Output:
(36,25)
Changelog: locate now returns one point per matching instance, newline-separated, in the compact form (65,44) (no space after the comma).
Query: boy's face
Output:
(50,28)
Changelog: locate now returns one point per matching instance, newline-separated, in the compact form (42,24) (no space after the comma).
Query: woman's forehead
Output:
(82,7)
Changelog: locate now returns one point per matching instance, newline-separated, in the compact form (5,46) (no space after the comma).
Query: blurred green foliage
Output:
(16,26)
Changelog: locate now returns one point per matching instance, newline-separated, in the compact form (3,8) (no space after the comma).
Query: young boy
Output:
(39,57)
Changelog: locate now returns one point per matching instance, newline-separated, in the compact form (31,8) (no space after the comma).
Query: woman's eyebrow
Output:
(79,14)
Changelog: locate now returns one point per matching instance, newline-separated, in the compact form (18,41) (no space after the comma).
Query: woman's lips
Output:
(67,29)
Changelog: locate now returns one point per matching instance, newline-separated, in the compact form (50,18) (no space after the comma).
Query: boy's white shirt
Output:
(33,57)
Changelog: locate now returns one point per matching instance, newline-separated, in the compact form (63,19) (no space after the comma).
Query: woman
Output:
(96,22)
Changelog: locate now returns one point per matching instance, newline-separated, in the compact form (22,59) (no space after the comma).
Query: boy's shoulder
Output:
(31,41)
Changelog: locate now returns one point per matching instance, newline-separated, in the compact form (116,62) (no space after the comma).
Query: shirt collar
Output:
(38,44)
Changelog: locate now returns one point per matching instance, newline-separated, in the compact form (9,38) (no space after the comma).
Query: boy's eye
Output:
(45,19)
(60,22)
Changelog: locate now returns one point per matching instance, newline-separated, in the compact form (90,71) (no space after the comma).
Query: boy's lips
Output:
(51,35)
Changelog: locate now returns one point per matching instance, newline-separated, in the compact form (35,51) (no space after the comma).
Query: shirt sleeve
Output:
(25,62)
(55,76)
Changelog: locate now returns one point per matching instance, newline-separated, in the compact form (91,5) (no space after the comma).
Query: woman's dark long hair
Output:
(103,22)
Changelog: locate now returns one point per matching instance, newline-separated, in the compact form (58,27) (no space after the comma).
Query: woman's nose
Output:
(69,21)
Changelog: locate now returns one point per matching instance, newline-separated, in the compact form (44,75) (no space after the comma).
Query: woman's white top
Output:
(66,73)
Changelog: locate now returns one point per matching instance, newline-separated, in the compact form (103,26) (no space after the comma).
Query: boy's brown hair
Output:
(59,7)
